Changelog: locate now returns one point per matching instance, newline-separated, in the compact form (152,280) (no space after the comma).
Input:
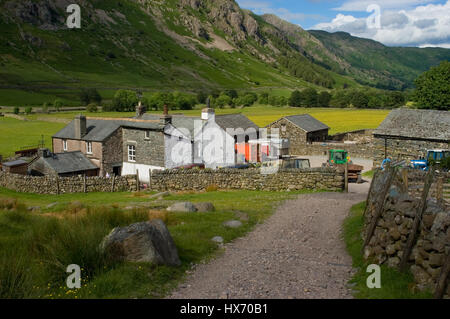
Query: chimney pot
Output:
(208,114)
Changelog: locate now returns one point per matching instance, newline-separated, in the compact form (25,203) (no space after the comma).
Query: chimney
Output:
(140,109)
(208,114)
(80,127)
(166,118)
(44,152)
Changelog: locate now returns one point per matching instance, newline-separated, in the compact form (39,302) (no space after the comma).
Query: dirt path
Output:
(296,253)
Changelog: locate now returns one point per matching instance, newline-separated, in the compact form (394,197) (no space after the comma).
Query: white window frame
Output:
(88,147)
(131,153)
(147,135)
(65,145)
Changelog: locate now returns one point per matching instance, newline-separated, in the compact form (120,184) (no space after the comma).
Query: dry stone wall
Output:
(250,179)
(388,242)
(61,185)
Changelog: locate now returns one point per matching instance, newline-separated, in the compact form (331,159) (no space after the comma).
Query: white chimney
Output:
(208,114)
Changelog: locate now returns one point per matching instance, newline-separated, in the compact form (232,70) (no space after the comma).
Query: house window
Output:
(131,153)
(89,147)
(65,145)
(147,135)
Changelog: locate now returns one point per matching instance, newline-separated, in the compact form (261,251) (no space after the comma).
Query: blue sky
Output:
(401,22)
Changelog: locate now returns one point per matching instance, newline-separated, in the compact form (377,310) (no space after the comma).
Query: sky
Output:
(420,23)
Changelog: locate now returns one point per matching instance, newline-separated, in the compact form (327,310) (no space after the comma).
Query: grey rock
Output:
(159,195)
(233,224)
(51,205)
(182,207)
(204,207)
(217,239)
(143,242)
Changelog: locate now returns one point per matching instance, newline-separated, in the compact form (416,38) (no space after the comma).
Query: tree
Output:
(92,108)
(58,104)
(16,110)
(295,99)
(125,101)
(359,99)
(309,97)
(201,97)
(340,99)
(91,95)
(223,100)
(323,99)
(263,98)
(28,110)
(231,93)
(433,88)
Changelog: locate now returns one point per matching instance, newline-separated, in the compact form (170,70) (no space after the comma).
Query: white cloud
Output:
(361,5)
(424,25)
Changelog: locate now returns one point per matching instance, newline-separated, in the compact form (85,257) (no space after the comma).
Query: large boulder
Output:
(182,207)
(204,207)
(143,242)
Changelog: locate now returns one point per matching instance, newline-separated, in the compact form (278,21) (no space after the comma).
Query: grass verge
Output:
(36,248)
(394,284)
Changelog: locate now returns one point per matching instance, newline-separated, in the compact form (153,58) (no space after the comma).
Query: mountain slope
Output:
(182,45)
(372,63)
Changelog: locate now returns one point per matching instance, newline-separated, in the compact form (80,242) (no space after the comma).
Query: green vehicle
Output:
(339,159)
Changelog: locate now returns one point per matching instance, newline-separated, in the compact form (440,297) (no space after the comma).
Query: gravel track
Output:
(297,253)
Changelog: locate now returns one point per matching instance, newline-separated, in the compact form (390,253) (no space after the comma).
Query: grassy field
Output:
(35,248)
(394,284)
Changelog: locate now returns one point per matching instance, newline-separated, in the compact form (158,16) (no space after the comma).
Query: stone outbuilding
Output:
(62,164)
(407,134)
(15,167)
(299,130)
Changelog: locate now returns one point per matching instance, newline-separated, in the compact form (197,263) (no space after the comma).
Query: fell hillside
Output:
(173,44)
(372,63)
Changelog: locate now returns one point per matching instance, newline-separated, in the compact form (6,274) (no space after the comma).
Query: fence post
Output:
(150,179)
(417,219)
(440,190)
(405,179)
(379,205)
(84,183)
(113,182)
(57,185)
(137,181)
(369,194)
(346,177)
(442,281)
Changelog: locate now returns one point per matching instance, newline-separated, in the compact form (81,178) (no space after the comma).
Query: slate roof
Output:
(235,121)
(69,162)
(14,163)
(307,123)
(416,124)
(100,129)
(178,121)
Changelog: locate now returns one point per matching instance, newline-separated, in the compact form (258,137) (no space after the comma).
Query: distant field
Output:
(15,134)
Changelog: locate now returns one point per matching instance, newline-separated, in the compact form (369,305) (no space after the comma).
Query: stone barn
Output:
(15,167)
(62,164)
(407,134)
(300,130)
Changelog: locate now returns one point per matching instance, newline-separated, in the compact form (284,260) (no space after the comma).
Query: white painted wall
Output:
(144,170)
(178,147)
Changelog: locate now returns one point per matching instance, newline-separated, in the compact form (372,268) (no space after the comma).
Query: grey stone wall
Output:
(297,137)
(249,179)
(148,151)
(394,226)
(75,184)
(112,152)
